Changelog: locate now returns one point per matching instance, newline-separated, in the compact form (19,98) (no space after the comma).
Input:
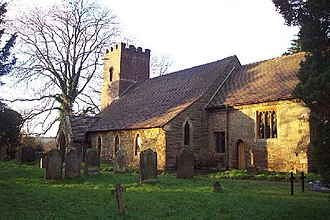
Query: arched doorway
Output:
(241,154)
(63,145)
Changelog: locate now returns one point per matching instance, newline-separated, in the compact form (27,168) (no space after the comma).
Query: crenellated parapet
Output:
(127,48)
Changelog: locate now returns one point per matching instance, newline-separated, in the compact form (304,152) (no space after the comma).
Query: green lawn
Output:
(25,194)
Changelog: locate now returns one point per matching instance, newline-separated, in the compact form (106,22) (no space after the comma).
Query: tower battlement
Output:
(127,48)
(123,65)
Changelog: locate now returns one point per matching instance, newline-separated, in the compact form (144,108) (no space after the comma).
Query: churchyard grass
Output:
(25,194)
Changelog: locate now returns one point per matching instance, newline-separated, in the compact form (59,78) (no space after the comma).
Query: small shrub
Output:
(107,167)
(262,175)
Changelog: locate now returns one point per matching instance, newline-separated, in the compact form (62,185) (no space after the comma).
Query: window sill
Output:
(264,140)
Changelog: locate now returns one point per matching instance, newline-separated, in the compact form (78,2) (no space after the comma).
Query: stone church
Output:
(233,116)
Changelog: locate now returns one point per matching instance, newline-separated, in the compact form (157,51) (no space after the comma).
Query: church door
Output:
(241,155)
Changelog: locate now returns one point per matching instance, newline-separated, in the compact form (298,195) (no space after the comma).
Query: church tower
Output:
(123,66)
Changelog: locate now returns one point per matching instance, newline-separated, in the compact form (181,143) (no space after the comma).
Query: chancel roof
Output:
(259,82)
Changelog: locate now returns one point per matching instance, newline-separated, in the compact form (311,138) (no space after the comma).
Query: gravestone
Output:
(28,154)
(148,166)
(54,165)
(6,158)
(217,187)
(185,163)
(3,153)
(118,193)
(18,155)
(72,164)
(120,161)
(92,162)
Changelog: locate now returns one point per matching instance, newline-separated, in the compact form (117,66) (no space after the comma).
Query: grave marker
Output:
(292,178)
(28,154)
(72,164)
(185,163)
(148,166)
(120,161)
(92,162)
(118,192)
(54,165)
(302,182)
(217,187)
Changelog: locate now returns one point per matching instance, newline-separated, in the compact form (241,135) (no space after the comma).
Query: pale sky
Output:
(195,32)
(198,32)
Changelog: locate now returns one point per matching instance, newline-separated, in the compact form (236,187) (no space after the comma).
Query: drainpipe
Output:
(228,161)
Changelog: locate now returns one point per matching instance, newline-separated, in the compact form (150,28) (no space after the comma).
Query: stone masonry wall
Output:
(287,152)
(198,117)
(153,138)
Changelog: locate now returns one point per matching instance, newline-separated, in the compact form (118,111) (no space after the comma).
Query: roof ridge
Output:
(275,58)
(189,68)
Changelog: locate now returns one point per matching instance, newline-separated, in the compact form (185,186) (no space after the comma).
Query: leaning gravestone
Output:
(120,161)
(92,162)
(72,164)
(54,165)
(185,163)
(148,166)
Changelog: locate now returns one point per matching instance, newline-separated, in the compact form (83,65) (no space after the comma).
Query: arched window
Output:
(137,144)
(99,143)
(186,134)
(116,143)
(111,74)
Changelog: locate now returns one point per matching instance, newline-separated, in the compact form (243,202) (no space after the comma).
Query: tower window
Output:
(111,74)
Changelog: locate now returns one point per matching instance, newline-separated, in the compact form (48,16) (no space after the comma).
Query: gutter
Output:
(221,85)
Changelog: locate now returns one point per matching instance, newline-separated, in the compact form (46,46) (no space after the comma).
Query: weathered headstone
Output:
(120,161)
(28,154)
(3,153)
(185,163)
(148,166)
(18,155)
(92,162)
(72,164)
(6,158)
(54,165)
(118,192)
(217,187)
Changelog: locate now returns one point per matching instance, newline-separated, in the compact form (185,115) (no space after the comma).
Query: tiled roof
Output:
(80,124)
(156,101)
(264,81)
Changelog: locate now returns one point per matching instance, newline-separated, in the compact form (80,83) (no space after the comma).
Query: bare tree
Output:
(62,50)
(160,64)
